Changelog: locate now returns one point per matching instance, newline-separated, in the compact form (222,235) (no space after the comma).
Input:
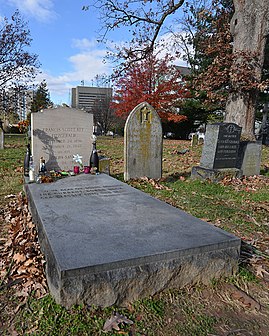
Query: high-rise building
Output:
(87,97)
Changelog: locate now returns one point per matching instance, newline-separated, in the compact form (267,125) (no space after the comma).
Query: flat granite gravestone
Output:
(107,243)
(58,134)
(221,146)
(143,143)
(249,157)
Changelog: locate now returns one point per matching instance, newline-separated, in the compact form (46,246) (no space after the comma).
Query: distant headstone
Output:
(249,157)
(265,137)
(194,140)
(1,139)
(143,143)
(104,165)
(221,146)
(58,134)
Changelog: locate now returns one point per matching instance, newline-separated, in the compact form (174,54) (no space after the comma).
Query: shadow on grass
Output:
(176,176)
(265,171)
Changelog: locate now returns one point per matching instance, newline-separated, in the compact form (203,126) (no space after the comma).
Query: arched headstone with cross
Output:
(143,143)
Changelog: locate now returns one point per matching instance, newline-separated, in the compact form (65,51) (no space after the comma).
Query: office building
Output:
(87,97)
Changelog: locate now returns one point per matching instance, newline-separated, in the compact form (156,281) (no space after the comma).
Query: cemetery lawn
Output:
(238,305)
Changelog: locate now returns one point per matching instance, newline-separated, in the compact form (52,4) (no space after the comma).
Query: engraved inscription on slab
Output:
(87,191)
(58,134)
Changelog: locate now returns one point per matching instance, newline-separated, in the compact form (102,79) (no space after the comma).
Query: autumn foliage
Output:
(153,81)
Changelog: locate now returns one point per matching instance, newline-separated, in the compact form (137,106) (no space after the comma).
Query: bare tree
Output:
(16,63)
(148,19)
(103,113)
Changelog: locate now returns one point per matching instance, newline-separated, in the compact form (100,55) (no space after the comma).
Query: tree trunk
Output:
(249,27)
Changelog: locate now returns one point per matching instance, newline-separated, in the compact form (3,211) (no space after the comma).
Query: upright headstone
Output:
(249,157)
(220,152)
(194,140)
(1,139)
(265,135)
(221,146)
(143,143)
(58,134)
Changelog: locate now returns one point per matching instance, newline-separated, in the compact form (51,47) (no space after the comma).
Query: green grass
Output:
(11,158)
(200,310)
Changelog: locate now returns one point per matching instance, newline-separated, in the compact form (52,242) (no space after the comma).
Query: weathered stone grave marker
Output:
(194,140)
(58,134)
(143,143)
(249,157)
(1,139)
(220,151)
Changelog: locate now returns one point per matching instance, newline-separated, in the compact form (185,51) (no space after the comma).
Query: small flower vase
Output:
(87,169)
(76,169)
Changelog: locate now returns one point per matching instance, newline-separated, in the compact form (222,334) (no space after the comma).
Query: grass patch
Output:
(11,166)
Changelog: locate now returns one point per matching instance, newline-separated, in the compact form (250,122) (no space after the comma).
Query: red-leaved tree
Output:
(154,81)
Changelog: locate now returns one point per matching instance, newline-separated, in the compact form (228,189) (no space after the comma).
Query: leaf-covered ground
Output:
(235,306)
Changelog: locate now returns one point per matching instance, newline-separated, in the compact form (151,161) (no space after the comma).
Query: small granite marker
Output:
(143,143)
(60,133)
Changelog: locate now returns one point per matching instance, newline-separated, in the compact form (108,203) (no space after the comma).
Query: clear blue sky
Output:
(64,37)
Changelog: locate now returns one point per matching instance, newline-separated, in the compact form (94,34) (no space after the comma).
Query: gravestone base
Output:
(121,286)
(107,243)
(214,175)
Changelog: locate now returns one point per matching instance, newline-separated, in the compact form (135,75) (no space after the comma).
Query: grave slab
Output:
(107,243)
